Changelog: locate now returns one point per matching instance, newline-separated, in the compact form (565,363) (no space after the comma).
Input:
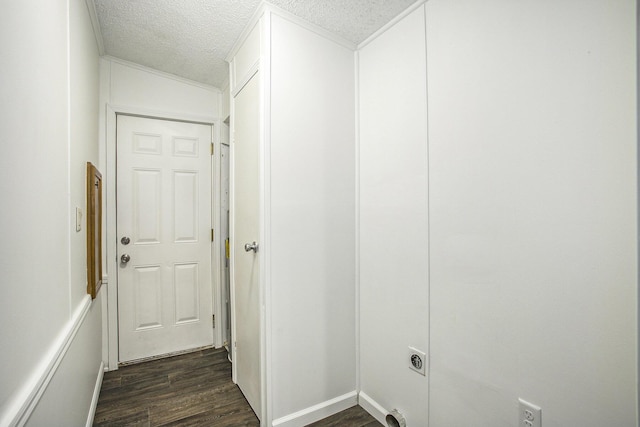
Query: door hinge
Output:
(226,249)
(213,320)
(212,234)
(212,149)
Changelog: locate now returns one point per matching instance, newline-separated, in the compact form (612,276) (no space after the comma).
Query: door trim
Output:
(108,162)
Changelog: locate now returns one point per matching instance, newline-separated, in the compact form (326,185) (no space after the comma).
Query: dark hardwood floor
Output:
(193,389)
(352,417)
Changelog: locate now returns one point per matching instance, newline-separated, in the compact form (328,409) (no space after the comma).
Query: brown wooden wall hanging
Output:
(94,230)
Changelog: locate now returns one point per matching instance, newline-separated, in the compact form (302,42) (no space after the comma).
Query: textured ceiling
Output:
(191,38)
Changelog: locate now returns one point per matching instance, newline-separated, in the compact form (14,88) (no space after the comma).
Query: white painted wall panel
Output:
(394,304)
(49,131)
(84,78)
(34,186)
(246,58)
(225,107)
(68,398)
(133,86)
(312,219)
(532,145)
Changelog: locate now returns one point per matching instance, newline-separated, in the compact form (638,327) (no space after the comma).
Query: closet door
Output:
(245,243)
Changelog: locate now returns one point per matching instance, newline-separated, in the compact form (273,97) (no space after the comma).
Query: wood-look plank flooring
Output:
(189,390)
(352,417)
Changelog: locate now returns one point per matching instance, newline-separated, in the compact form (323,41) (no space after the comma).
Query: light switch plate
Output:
(78,219)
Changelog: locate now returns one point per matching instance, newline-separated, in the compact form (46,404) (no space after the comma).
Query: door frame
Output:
(108,162)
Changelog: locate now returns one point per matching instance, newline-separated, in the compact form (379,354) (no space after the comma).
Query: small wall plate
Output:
(417,360)
(78,219)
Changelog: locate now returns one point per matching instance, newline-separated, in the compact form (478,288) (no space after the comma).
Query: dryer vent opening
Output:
(395,419)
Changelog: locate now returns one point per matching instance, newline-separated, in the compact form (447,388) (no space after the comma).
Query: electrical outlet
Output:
(529,415)
(417,360)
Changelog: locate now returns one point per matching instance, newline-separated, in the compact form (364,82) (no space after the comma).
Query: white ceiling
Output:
(191,38)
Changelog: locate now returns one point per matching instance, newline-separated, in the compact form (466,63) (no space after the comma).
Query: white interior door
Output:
(164,237)
(245,230)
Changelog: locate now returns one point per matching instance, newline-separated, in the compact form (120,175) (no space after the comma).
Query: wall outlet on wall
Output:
(529,415)
(417,360)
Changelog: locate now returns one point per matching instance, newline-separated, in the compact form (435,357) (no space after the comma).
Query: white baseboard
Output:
(22,404)
(96,395)
(372,407)
(317,412)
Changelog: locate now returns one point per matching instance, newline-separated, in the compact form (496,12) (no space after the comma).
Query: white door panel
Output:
(246,265)
(164,208)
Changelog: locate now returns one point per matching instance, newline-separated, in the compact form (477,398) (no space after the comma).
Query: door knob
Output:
(251,247)
(125,258)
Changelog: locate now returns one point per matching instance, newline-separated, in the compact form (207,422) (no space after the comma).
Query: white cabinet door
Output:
(245,264)
(164,210)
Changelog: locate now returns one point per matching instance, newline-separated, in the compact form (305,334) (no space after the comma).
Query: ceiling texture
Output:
(192,38)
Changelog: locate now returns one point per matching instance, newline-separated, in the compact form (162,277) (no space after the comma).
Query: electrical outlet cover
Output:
(529,415)
(417,360)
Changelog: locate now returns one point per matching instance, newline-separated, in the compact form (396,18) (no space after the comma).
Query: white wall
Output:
(131,85)
(532,146)
(132,89)
(394,241)
(312,213)
(33,161)
(72,394)
(84,84)
(225,104)
(49,128)
(532,211)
